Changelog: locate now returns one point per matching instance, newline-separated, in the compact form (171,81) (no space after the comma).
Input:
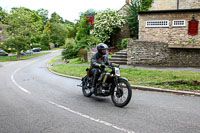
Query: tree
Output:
(83,29)
(44,14)
(106,23)
(24,25)
(55,18)
(57,33)
(45,39)
(134,7)
(3,16)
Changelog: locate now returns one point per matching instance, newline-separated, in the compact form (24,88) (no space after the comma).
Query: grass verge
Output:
(168,79)
(14,58)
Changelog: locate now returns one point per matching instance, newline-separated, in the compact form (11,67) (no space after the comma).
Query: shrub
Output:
(125,42)
(70,51)
(106,23)
(83,54)
(43,47)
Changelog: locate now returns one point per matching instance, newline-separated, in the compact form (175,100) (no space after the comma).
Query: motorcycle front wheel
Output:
(121,96)
(86,87)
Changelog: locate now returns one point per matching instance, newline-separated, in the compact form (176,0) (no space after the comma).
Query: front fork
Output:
(116,83)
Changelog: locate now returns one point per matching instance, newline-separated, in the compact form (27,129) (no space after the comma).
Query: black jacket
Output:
(96,60)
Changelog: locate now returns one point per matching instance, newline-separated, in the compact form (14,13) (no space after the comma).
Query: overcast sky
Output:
(68,9)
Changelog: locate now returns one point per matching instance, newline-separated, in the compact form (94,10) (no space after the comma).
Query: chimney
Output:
(127,1)
(177,4)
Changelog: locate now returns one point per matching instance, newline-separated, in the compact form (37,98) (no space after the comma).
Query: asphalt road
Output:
(33,100)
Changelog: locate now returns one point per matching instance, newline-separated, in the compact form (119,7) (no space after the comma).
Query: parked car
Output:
(29,52)
(22,53)
(38,49)
(3,53)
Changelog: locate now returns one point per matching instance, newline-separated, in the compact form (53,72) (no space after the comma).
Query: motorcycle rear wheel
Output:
(121,96)
(85,87)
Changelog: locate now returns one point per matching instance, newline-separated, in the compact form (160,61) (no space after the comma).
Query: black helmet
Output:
(100,47)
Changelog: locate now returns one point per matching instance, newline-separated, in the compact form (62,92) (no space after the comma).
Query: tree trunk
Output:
(18,55)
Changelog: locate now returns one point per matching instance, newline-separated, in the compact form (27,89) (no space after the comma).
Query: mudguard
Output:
(123,78)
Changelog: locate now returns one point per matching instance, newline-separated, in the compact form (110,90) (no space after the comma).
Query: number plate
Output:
(117,71)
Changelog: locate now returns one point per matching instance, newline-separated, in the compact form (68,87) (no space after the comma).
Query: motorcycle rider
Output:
(98,61)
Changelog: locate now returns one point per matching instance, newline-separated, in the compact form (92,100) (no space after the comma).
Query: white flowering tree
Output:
(105,23)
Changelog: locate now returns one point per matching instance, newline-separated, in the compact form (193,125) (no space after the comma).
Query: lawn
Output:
(14,58)
(181,80)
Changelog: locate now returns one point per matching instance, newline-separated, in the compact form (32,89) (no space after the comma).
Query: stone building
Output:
(167,25)
(174,4)
(167,21)
(124,32)
(169,35)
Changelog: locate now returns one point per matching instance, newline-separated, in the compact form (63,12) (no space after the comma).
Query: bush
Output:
(83,54)
(43,47)
(70,51)
(125,42)
(105,23)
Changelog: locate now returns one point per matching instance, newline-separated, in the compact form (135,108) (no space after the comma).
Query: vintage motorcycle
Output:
(109,83)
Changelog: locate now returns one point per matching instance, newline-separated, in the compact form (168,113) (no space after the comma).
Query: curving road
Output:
(33,100)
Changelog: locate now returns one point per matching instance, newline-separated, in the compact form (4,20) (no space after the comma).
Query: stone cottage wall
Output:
(164,5)
(144,53)
(167,34)
(172,4)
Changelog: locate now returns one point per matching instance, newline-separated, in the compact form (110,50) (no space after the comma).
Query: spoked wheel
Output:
(122,96)
(86,87)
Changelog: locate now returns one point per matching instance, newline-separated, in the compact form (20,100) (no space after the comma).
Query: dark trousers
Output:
(95,75)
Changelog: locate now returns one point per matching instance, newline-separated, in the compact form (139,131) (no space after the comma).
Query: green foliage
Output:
(142,77)
(124,43)
(44,15)
(106,23)
(15,45)
(71,31)
(3,16)
(145,4)
(69,22)
(83,30)
(70,51)
(45,37)
(83,37)
(43,47)
(134,7)
(133,22)
(55,18)
(58,33)
(24,25)
(92,41)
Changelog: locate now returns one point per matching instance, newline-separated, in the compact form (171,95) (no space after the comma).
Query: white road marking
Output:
(13,79)
(91,118)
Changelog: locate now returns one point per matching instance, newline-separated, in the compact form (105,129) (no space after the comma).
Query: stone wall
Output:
(164,5)
(172,4)
(143,53)
(123,33)
(167,34)
(189,4)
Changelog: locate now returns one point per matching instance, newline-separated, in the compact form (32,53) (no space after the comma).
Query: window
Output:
(157,23)
(178,23)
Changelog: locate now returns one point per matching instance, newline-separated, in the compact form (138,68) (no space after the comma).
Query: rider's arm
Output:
(107,62)
(94,62)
